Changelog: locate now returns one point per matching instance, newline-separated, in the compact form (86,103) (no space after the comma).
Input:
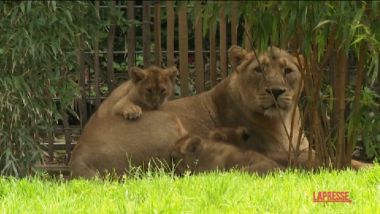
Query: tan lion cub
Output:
(197,154)
(147,90)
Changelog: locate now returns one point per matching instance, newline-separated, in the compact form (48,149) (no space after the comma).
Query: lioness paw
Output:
(132,112)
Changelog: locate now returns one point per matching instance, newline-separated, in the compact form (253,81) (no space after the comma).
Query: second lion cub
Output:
(147,90)
(198,154)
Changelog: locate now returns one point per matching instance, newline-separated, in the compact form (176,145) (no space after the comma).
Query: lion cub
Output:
(218,152)
(147,90)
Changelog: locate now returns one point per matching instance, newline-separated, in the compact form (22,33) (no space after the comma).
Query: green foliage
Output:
(232,192)
(313,27)
(37,63)
(368,125)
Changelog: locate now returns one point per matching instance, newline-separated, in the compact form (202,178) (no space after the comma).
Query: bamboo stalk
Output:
(131,37)
(316,121)
(183,49)
(110,41)
(157,33)
(340,106)
(199,66)
(330,46)
(170,33)
(305,77)
(357,105)
(146,33)
(222,41)
(96,60)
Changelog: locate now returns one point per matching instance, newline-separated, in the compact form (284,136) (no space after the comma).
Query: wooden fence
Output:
(202,60)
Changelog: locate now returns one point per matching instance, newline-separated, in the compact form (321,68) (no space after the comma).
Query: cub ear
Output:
(236,55)
(138,74)
(191,145)
(217,135)
(244,133)
(172,72)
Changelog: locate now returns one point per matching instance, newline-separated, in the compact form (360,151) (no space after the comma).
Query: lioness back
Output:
(148,89)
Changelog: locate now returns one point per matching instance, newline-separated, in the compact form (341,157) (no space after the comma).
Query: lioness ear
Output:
(236,55)
(191,145)
(172,72)
(217,135)
(138,74)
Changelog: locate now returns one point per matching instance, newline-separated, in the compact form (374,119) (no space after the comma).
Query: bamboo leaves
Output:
(37,42)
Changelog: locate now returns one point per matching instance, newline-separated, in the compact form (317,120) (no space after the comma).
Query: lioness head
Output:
(154,85)
(267,84)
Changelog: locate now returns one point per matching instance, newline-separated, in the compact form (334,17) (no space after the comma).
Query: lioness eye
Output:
(288,71)
(259,70)
(149,91)
(163,91)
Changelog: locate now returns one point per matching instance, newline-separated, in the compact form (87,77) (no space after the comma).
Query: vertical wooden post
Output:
(81,72)
(199,66)
(96,59)
(183,49)
(247,36)
(212,37)
(234,25)
(65,120)
(110,41)
(157,33)
(222,41)
(170,33)
(51,147)
(66,132)
(234,22)
(146,33)
(131,37)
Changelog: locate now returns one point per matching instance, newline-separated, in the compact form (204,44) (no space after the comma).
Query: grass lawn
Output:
(233,192)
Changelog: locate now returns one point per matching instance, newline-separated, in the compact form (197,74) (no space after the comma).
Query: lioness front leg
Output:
(127,109)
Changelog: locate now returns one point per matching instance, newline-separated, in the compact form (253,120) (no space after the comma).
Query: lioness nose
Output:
(276,92)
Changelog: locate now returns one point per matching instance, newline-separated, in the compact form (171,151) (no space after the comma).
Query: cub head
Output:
(154,85)
(186,153)
(267,84)
(236,136)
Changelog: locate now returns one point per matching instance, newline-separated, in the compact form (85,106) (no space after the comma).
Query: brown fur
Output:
(103,152)
(196,154)
(245,98)
(147,90)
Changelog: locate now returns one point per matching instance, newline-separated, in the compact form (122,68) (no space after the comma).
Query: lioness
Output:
(259,94)
(147,89)
(197,154)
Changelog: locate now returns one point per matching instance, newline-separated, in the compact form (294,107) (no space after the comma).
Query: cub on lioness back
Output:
(147,90)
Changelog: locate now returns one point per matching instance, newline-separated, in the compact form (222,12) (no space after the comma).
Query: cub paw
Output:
(132,112)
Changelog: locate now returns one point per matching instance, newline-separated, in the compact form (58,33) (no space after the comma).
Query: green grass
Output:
(233,192)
